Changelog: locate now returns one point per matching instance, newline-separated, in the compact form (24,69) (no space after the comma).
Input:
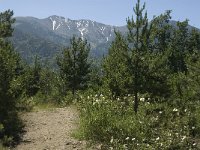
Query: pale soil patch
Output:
(51,129)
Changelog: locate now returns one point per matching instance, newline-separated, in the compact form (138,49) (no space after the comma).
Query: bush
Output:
(156,126)
(10,129)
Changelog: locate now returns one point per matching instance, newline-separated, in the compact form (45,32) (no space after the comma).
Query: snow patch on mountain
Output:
(102,30)
(82,30)
(57,26)
(93,23)
(78,24)
(68,27)
(54,23)
(87,24)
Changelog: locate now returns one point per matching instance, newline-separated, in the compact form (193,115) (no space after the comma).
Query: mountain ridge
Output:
(58,30)
(46,37)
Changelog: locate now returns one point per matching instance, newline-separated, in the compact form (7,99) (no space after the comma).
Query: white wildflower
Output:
(125,146)
(127,138)
(157,138)
(111,140)
(183,138)
(193,127)
(133,139)
(194,144)
(175,110)
(160,112)
(142,99)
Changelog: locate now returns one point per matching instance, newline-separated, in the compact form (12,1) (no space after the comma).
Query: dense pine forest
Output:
(144,94)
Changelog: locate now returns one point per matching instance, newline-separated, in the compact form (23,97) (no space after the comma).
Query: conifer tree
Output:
(33,77)
(138,37)
(194,46)
(159,43)
(7,62)
(9,69)
(161,34)
(179,48)
(74,65)
(116,72)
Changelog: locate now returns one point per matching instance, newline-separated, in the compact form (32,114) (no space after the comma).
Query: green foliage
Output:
(156,126)
(137,63)
(115,67)
(154,69)
(138,36)
(74,66)
(157,65)
(194,41)
(96,75)
(6,22)
(33,78)
(9,71)
(178,48)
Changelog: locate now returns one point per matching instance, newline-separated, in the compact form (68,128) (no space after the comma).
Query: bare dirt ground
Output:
(51,130)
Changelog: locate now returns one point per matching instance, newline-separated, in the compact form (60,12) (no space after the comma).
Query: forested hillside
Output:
(46,37)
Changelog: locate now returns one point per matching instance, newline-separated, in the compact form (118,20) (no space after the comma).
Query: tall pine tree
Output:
(116,72)
(74,65)
(179,48)
(138,37)
(9,69)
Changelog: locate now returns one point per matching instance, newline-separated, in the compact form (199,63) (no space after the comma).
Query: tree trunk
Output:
(73,92)
(136,102)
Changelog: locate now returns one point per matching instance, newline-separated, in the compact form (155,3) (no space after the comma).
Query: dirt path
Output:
(51,130)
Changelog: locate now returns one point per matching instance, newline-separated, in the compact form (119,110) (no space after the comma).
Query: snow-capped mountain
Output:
(45,37)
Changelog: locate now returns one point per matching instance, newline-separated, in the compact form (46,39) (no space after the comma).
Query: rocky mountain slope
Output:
(46,37)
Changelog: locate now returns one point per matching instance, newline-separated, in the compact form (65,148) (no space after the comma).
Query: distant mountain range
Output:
(46,37)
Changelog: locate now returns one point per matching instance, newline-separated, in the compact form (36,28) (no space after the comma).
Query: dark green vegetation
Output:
(10,69)
(150,96)
(144,94)
(74,66)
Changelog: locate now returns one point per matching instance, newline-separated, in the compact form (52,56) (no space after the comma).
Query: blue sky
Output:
(113,12)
